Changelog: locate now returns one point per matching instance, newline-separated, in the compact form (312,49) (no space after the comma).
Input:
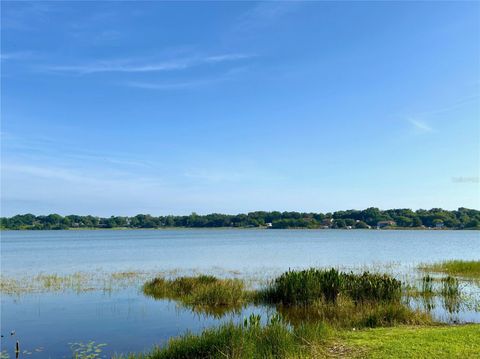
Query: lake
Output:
(123,318)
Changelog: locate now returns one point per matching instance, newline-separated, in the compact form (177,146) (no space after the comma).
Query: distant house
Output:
(327,222)
(268,225)
(383,224)
(439,224)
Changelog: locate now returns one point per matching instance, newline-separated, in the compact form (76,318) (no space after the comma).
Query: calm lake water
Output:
(127,321)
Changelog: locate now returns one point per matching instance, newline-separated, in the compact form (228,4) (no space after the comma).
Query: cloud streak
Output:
(420,126)
(184,85)
(132,66)
(20,55)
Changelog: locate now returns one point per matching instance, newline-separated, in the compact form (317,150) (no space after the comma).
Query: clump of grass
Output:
(467,269)
(450,293)
(450,287)
(248,340)
(204,292)
(427,285)
(307,286)
(345,313)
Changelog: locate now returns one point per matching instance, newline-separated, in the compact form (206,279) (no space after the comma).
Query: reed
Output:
(427,285)
(201,292)
(346,314)
(275,339)
(307,286)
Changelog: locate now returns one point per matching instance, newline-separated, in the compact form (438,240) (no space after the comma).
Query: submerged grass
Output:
(77,282)
(466,269)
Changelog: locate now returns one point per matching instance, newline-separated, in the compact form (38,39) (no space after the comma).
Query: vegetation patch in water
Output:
(346,314)
(203,291)
(90,350)
(343,300)
(307,286)
(248,340)
(466,269)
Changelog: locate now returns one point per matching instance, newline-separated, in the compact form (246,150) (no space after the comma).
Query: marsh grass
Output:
(461,268)
(343,300)
(77,282)
(428,285)
(203,293)
(310,285)
(275,339)
(346,314)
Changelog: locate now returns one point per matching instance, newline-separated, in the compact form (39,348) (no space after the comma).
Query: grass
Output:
(307,286)
(414,342)
(247,340)
(466,269)
(204,293)
(78,282)
(276,339)
(343,300)
(346,314)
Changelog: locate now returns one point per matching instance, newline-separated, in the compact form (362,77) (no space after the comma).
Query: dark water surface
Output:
(127,321)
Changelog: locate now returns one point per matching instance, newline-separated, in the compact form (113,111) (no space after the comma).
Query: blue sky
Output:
(168,108)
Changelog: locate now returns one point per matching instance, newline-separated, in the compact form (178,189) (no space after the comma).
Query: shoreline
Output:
(237,228)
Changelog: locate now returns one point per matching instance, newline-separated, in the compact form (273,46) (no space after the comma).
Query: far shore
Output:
(237,228)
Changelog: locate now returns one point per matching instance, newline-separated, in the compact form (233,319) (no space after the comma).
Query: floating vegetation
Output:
(90,350)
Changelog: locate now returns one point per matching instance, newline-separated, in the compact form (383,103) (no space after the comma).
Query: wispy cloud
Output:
(135,66)
(454,106)
(264,14)
(183,85)
(19,55)
(419,122)
(420,126)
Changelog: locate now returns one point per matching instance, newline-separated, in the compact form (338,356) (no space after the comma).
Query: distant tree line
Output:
(463,218)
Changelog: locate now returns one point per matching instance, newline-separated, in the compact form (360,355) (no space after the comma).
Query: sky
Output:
(119,108)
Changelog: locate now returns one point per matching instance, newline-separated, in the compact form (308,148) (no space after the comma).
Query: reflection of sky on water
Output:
(128,321)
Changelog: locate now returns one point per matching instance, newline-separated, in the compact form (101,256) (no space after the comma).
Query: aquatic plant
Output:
(201,292)
(345,313)
(466,269)
(89,350)
(275,339)
(310,285)
(451,294)
(427,285)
